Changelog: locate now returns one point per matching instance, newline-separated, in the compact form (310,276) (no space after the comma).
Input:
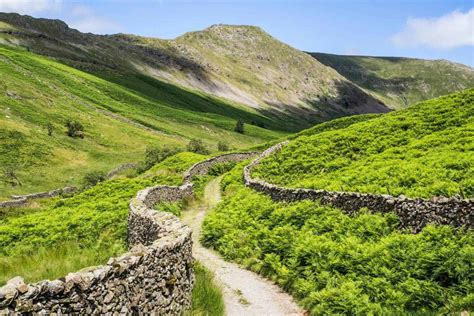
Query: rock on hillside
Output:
(239,63)
(401,81)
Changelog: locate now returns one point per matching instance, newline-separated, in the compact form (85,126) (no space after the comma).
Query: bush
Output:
(50,129)
(155,155)
(94,177)
(221,168)
(10,177)
(74,129)
(197,146)
(221,146)
(239,127)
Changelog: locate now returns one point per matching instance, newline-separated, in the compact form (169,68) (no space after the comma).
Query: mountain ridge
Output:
(242,64)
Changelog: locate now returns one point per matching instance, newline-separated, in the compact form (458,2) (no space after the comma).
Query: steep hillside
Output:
(423,151)
(400,82)
(121,116)
(239,63)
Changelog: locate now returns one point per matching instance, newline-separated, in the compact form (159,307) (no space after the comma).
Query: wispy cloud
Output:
(448,31)
(30,6)
(85,19)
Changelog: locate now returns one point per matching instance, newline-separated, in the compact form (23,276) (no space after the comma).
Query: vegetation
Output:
(239,127)
(92,178)
(337,264)
(280,87)
(155,155)
(400,82)
(207,296)
(67,234)
(37,92)
(422,151)
(197,146)
(74,129)
(222,146)
(50,129)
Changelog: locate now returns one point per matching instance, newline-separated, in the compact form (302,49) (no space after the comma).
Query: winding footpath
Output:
(245,292)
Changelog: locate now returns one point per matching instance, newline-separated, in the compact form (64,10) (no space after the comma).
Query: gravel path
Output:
(245,293)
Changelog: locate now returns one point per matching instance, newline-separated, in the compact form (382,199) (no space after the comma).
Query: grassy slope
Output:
(243,62)
(337,264)
(240,63)
(35,91)
(67,234)
(400,82)
(422,151)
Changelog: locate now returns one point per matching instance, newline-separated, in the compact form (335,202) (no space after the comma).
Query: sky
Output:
(436,29)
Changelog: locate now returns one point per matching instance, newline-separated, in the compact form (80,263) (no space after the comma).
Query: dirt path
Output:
(245,293)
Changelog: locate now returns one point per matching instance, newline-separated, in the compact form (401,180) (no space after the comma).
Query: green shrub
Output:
(50,129)
(221,168)
(155,155)
(93,178)
(239,127)
(74,129)
(222,146)
(197,146)
(337,264)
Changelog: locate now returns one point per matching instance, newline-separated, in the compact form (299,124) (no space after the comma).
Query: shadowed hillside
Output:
(400,82)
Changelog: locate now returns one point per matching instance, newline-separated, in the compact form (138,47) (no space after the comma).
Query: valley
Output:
(259,179)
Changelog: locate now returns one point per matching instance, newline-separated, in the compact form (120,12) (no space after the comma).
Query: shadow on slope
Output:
(354,71)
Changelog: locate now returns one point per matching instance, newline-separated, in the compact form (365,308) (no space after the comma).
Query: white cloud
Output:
(448,31)
(29,6)
(85,19)
(95,24)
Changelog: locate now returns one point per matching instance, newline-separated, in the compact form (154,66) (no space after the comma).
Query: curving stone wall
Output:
(202,167)
(155,277)
(413,213)
(19,200)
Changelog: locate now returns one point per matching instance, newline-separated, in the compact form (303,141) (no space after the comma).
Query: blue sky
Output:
(418,28)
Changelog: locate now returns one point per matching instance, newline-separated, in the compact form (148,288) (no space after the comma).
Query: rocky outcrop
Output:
(413,213)
(154,277)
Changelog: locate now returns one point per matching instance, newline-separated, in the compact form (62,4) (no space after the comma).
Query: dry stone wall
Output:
(202,167)
(19,200)
(413,213)
(155,277)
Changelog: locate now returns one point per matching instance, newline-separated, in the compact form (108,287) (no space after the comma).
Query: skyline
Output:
(420,29)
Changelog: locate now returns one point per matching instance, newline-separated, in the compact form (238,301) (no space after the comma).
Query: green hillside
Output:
(122,115)
(400,82)
(336,264)
(422,151)
(234,62)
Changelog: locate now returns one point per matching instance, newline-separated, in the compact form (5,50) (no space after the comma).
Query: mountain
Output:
(121,118)
(400,82)
(238,63)
(424,150)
